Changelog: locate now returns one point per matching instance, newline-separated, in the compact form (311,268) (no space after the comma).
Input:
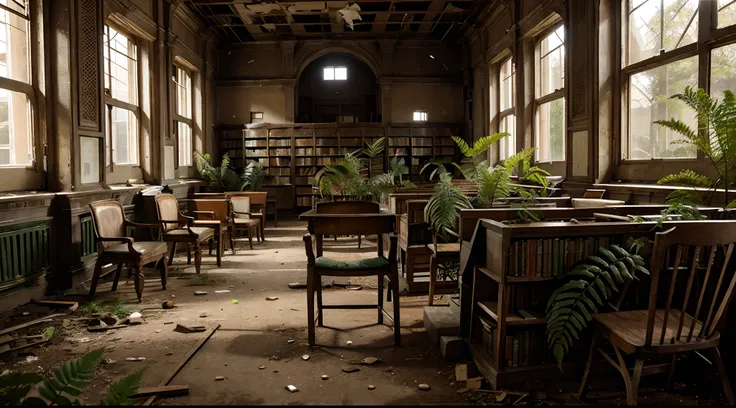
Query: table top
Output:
(312,214)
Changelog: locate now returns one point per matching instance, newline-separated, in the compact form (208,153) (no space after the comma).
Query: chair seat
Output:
(631,327)
(445,247)
(245,221)
(146,248)
(366,263)
(202,232)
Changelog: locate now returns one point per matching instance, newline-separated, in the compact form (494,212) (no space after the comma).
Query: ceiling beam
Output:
(295,28)
(435,9)
(381,19)
(252,28)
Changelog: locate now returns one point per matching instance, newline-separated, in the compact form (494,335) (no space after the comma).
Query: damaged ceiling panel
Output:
(242,21)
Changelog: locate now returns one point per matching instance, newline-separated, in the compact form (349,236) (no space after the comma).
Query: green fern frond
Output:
(494,184)
(686,177)
(441,211)
(480,145)
(408,184)
(69,379)
(15,386)
(514,161)
(374,149)
(586,287)
(119,393)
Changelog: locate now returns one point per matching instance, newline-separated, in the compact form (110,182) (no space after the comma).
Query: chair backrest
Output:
(220,207)
(167,208)
(241,204)
(205,195)
(108,218)
(348,207)
(257,198)
(700,255)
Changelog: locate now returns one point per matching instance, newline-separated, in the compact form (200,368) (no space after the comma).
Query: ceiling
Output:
(243,21)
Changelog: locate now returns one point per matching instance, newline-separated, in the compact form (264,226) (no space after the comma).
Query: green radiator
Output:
(24,252)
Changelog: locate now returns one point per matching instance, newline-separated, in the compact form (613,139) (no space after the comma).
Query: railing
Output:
(24,252)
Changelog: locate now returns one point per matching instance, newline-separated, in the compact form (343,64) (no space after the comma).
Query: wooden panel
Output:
(90,63)
(24,252)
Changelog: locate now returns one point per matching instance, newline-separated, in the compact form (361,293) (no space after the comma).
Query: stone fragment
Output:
(292,388)
(219,378)
(350,369)
(424,387)
(369,360)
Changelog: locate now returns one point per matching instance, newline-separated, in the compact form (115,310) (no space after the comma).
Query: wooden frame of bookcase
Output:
(497,241)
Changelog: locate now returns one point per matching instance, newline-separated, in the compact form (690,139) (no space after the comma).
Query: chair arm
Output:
(242,213)
(451,232)
(308,247)
(204,215)
(187,219)
(127,240)
(141,225)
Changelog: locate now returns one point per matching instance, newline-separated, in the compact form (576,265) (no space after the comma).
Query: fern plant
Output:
(67,383)
(442,208)
(587,286)
(253,177)
(220,176)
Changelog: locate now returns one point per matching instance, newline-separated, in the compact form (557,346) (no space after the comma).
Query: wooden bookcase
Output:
(509,292)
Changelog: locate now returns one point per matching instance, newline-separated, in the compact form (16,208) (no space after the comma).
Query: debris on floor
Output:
(369,360)
(305,357)
(349,343)
(200,292)
(371,387)
(292,388)
(219,378)
(271,298)
(354,287)
(189,329)
(234,302)
(325,377)
(424,387)
(297,285)
(133,319)
(290,341)
(135,358)
(262,367)
(223,291)
(168,304)
(350,369)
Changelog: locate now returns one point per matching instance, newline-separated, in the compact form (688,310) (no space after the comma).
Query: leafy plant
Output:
(586,287)
(253,177)
(67,383)
(715,137)
(440,165)
(474,171)
(221,176)
(441,209)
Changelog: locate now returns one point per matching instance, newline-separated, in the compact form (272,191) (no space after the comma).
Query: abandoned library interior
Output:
(368,202)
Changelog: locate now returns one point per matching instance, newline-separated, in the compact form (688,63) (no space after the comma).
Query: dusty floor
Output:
(255,330)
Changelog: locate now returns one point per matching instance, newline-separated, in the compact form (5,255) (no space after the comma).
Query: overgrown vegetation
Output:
(587,287)
(223,176)
(116,307)
(66,385)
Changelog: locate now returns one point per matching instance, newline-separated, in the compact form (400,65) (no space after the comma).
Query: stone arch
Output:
(355,52)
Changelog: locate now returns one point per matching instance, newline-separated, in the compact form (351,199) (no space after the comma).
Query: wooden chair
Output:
(441,252)
(699,254)
(240,215)
(258,203)
(179,228)
(351,218)
(114,247)
(213,211)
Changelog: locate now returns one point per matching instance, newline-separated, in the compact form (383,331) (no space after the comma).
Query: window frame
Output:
(422,113)
(510,111)
(178,118)
(134,86)
(560,93)
(334,69)
(29,89)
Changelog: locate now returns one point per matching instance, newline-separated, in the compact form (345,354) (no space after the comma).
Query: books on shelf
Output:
(551,256)
(518,347)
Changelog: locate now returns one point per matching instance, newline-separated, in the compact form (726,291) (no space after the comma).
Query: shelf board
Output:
(518,279)
(511,319)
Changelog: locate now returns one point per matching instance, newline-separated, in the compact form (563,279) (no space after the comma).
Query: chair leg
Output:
(359,240)
(397,310)
(117,277)
(219,248)
(318,288)
(250,237)
(715,356)
(584,382)
(380,298)
(164,269)
(139,279)
(634,391)
(197,258)
(189,254)
(263,227)
(173,251)
(630,390)
(310,306)
(95,277)
(232,239)
(211,243)
(671,374)
(432,278)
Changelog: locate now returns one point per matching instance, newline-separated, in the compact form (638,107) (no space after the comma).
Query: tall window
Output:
(121,97)
(549,116)
(659,60)
(420,116)
(506,115)
(335,73)
(16,129)
(183,117)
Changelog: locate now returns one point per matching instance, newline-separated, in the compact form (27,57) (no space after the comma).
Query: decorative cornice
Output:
(252,83)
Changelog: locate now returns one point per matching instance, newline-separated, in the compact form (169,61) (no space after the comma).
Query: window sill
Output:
(659,160)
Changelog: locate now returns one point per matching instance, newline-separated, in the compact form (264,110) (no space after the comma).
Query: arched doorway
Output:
(337,88)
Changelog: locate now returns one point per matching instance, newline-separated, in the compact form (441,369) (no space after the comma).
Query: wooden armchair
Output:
(346,220)
(694,258)
(441,252)
(178,228)
(258,203)
(214,213)
(114,247)
(240,214)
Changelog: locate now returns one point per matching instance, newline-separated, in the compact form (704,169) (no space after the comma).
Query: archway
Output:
(337,87)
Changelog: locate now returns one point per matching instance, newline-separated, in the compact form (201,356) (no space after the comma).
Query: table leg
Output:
(218,232)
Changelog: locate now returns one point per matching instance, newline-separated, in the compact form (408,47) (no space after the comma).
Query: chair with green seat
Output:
(351,218)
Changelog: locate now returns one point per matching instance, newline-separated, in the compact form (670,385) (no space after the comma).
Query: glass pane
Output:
(124,136)
(649,93)
(120,65)
(726,13)
(508,144)
(723,70)
(4,156)
(507,85)
(90,154)
(550,131)
(647,20)
(341,73)
(14,53)
(329,73)
(552,62)
(16,131)
(185,144)
(183,93)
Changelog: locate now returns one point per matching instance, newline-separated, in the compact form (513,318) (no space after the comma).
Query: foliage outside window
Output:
(16,124)
(507,102)
(121,90)
(183,115)
(549,116)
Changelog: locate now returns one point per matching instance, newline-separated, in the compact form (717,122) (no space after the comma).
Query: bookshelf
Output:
(520,267)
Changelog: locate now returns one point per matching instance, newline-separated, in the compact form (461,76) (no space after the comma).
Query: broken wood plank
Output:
(35,343)
(57,304)
(181,365)
(162,391)
(189,329)
(28,324)
(6,339)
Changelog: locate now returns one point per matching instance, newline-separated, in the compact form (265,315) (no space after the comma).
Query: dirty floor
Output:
(253,348)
